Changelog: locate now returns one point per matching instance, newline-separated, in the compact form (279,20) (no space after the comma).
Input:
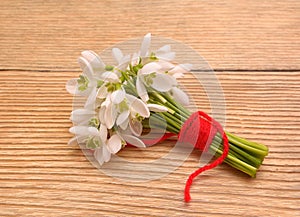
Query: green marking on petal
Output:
(153,56)
(94,122)
(109,68)
(123,106)
(92,143)
(83,82)
(148,79)
(99,83)
(139,117)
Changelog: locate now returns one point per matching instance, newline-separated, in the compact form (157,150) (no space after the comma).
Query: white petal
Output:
(150,67)
(79,130)
(77,140)
(186,66)
(117,54)
(83,112)
(109,76)
(138,106)
(93,131)
(164,49)
(166,56)
(107,100)
(106,153)
(117,96)
(173,80)
(73,141)
(110,116)
(157,108)
(102,114)
(71,86)
(162,82)
(122,117)
(90,102)
(79,116)
(134,141)
(124,125)
(95,61)
(141,90)
(86,67)
(178,75)
(114,143)
(135,59)
(145,44)
(103,133)
(136,127)
(181,68)
(165,65)
(180,96)
(102,92)
(98,154)
(124,62)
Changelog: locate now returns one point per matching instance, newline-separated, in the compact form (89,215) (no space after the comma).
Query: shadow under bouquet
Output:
(139,93)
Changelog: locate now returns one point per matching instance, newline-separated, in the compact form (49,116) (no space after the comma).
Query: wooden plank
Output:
(41,175)
(229,34)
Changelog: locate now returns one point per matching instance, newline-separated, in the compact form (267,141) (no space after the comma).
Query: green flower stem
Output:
(171,121)
(234,161)
(158,120)
(255,161)
(161,100)
(260,149)
(181,109)
(243,155)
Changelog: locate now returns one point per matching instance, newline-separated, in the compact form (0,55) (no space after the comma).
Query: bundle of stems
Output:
(244,155)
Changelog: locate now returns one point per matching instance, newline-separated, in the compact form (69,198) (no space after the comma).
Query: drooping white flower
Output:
(94,61)
(154,75)
(120,58)
(93,75)
(105,147)
(132,114)
(107,112)
(109,146)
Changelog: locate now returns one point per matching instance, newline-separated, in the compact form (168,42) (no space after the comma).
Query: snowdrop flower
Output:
(89,63)
(132,112)
(120,58)
(154,75)
(163,53)
(94,75)
(104,147)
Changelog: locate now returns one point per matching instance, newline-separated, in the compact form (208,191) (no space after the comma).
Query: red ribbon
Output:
(199,130)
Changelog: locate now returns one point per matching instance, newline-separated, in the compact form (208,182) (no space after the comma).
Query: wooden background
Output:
(252,45)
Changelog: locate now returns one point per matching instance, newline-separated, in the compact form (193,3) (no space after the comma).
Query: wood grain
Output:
(254,47)
(229,34)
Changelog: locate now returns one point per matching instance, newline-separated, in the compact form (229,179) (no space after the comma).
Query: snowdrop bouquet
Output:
(121,98)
